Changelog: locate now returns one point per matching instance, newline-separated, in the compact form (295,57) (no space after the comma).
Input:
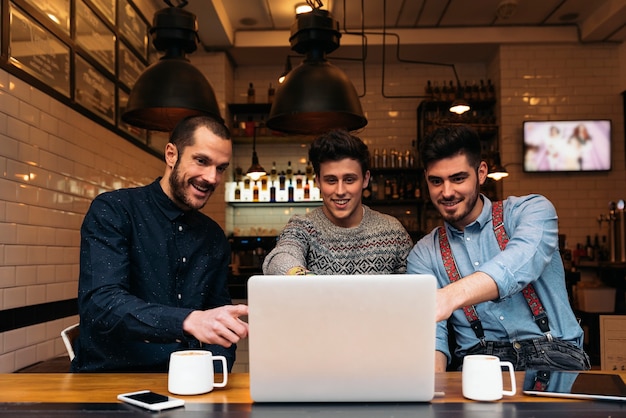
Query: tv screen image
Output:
(567,146)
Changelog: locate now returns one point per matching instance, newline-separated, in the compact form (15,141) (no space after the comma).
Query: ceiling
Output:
(256,32)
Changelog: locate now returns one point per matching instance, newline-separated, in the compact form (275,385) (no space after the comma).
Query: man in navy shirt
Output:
(153,269)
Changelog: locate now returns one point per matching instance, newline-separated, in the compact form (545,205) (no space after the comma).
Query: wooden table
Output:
(57,388)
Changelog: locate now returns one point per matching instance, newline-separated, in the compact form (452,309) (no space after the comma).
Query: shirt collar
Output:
(163,202)
(483,219)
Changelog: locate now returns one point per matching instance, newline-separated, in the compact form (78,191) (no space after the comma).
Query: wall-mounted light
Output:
(171,89)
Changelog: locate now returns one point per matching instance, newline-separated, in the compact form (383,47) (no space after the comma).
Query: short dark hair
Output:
(183,134)
(337,145)
(449,141)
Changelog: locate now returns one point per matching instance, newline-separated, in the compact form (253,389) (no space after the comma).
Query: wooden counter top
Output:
(104,388)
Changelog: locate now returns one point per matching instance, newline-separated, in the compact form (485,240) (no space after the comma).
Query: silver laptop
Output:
(342,338)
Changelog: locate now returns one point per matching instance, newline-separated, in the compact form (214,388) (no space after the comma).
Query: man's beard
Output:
(470,203)
(178,190)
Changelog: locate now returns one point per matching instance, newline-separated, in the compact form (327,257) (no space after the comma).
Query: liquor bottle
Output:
(273,172)
(387,189)
(251,93)
(270,93)
(289,172)
(307,190)
(482,95)
(491,90)
(237,191)
(436,91)
(467,91)
(374,188)
(589,248)
(381,187)
(428,90)
(282,179)
(255,192)
(376,159)
(238,174)
(394,189)
(299,179)
(308,170)
(408,189)
(451,91)
(417,192)
(290,192)
(393,158)
(475,91)
(444,91)
(272,193)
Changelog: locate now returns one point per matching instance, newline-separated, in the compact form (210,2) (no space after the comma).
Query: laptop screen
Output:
(342,338)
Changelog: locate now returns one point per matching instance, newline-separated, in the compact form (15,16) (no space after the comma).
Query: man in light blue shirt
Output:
(481,285)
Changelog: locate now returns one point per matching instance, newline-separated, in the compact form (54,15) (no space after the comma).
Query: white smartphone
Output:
(150,400)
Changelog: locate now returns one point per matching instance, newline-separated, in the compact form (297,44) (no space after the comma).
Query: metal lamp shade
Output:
(316,97)
(168,91)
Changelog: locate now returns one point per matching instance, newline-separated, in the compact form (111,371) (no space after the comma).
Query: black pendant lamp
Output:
(171,89)
(316,96)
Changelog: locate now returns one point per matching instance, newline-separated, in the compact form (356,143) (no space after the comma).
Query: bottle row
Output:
(449,91)
(251,94)
(441,116)
(285,176)
(265,190)
(399,187)
(391,158)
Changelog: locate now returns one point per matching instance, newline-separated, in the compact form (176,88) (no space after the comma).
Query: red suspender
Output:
(539,314)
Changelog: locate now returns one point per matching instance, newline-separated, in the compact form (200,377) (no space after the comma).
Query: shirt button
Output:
(517,345)
(180,227)
(184,259)
(468,238)
(180,296)
(476,263)
(501,318)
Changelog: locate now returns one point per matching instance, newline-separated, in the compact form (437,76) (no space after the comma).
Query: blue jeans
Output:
(538,353)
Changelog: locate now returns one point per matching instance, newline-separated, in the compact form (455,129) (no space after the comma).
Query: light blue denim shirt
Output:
(531,255)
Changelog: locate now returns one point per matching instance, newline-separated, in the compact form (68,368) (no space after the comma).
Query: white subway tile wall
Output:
(53,160)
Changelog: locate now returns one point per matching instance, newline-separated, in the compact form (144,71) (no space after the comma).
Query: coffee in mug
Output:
(191,372)
(482,378)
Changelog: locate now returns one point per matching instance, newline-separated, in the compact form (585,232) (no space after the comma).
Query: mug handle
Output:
(224,371)
(509,366)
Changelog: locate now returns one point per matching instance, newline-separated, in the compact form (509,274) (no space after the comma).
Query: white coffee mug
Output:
(191,372)
(482,378)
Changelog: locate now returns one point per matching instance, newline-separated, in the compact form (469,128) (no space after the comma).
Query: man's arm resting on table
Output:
(220,325)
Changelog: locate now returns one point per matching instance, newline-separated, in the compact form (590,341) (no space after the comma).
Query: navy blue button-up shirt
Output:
(145,265)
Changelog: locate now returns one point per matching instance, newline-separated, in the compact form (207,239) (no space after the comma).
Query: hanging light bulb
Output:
(256,170)
(496,170)
(172,88)
(315,96)
(459,105)
(287,70)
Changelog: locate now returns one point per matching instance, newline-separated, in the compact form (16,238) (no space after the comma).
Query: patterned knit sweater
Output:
(379,244)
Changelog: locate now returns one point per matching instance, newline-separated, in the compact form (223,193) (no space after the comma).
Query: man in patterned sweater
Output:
(342,236)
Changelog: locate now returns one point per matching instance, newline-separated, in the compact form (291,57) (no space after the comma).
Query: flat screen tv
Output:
(567,145)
